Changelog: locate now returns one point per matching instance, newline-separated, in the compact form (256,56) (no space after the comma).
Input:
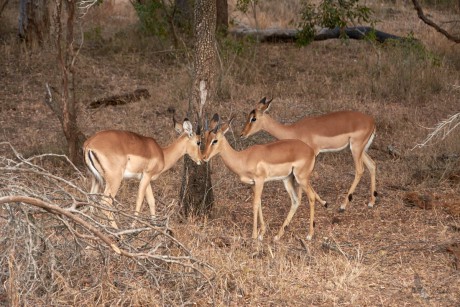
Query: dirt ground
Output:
(401,252)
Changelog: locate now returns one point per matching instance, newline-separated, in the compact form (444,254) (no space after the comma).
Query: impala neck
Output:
(275,128)
(173,152)
(232,159)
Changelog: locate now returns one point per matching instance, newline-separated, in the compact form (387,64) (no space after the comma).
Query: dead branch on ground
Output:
(290,35)
(52,245)
(121,99)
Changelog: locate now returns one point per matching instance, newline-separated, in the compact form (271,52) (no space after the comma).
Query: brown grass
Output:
(391,255)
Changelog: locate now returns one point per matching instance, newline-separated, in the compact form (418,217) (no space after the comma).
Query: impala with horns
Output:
(287,160)
(330,132)
(113,155)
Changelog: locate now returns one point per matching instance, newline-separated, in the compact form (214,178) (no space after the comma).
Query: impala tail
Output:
(369,142)
(90,160)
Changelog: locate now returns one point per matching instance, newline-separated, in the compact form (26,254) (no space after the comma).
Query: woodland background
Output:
(403,251)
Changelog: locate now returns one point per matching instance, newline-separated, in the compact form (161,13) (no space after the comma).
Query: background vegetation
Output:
(401,252)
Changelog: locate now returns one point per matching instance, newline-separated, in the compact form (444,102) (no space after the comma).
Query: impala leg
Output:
(359,170)
(150,200)
(95,187)
(320,200)
(258,187)
(370,164)
(145,181)
(262,223)
(110,191)
(311,200)
(295,201)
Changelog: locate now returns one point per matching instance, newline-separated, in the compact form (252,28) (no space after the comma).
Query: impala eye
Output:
(214,142)
(253,119)
(198,143)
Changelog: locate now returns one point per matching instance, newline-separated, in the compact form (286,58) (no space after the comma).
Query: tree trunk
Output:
(34,22)
(196,191)
(222,15)
(3,4)
(184,13)
(66,58)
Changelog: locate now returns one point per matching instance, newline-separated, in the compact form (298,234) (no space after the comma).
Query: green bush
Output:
(152,17)
(330,14)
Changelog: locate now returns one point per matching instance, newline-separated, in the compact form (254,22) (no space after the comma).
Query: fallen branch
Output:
(44,219)
(122,99)
(58,210)
(290,35)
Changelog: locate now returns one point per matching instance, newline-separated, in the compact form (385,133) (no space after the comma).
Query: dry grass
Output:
(391,255)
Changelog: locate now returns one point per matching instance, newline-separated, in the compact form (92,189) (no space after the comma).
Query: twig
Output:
(442,130)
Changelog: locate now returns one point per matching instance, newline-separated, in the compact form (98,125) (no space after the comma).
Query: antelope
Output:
(114,155)
(326,133)
(287,160)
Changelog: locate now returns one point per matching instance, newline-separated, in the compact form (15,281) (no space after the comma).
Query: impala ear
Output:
(225,127)
(188,128)
(264,105)
(214,122)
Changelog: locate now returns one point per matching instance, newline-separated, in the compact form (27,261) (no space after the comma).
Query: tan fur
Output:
(330,132)
(113,155)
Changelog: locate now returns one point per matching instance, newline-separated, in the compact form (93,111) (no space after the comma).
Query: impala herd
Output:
(114,155)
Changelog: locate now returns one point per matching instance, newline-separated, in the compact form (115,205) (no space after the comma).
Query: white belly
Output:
(129,175)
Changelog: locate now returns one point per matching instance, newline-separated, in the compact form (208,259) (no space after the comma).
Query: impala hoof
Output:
(309,237)
(341,210)
(370,205)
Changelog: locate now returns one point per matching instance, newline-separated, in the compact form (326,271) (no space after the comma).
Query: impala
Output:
(113,155)
(287,160)
(330,132)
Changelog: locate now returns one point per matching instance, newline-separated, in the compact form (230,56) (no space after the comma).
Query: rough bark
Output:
(196,191)
(3,4)
(34,21)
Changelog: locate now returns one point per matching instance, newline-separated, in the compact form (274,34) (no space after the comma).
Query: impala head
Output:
(255,117)
(192,147)
(214,136)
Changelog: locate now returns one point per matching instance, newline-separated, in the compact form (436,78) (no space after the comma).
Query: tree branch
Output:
(432,24)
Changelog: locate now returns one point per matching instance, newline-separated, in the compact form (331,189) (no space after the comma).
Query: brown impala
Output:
(287,160)
(113,155)
(330,132)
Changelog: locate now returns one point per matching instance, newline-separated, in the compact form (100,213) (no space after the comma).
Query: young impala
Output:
(330,132)
(113,155)
(286,160)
